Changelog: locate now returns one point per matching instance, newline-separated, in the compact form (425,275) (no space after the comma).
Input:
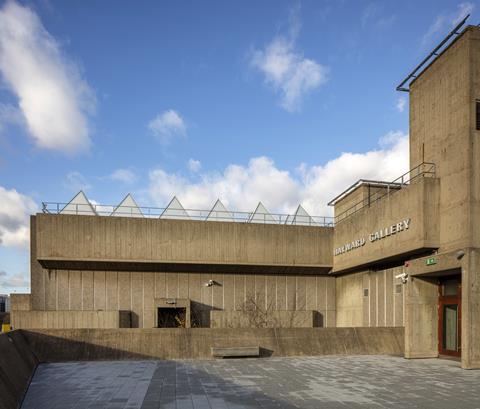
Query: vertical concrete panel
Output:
(206,299)
(124,291)
(260,292)
(37,282)
(75,283)
(389,297)
(172,285)
(271,291)
(373,299)
(195,295)
(87,290)
(281,293)
(331,293)
(51,289)
(111,279)
(310,293)
(63,290)
(380,298)
(301,293)
(160,285)
(182,285)
(421,319)
(366,299)
(100,290)
(148,304)
(228,292)
(217,289)
(137,299)
(249,290)
(291,293)
(399,297)
(239,287)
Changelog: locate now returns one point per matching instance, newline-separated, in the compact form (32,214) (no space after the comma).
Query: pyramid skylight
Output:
(262,215)
(127,208)
(174,210)
(219,213)
(79,205)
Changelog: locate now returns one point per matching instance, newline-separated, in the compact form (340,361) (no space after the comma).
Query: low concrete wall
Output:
(196,343)
(262,319)
(65,319)
(17,365)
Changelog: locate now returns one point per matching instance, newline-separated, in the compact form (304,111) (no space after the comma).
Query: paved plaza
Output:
(307,382)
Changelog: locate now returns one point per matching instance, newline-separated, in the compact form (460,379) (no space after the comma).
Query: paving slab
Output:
(332,382)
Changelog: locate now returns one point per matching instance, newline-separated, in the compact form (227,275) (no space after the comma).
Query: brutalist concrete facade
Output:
(384,265)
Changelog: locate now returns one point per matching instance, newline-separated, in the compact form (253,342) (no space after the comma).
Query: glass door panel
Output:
(450,327)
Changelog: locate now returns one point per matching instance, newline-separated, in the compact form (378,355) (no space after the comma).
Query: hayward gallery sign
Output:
(375,236)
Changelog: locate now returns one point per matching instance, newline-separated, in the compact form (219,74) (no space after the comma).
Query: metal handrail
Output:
(185,214)
(425,169)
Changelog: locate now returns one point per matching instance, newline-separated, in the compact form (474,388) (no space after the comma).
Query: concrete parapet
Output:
(17,365)
(65,319)
(196,343)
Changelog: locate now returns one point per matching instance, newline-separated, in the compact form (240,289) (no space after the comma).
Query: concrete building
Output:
(4,303)
(403,253)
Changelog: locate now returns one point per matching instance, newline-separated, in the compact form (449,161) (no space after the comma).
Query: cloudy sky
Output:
(283,102)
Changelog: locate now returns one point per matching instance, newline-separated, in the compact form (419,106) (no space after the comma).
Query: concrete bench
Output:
(235,352)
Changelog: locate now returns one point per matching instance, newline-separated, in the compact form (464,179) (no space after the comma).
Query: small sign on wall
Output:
(431,261)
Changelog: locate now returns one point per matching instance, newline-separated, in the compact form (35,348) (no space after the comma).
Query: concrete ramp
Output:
(17,366)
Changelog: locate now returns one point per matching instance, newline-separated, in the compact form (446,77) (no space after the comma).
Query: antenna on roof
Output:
(434,53)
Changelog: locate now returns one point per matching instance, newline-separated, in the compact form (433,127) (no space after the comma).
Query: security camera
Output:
(209,283)
(460,254)
(403,277)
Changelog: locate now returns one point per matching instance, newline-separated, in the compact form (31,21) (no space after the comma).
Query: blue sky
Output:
(286,102)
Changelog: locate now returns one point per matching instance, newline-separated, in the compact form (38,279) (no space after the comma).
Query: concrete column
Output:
(421,318)
(471,310)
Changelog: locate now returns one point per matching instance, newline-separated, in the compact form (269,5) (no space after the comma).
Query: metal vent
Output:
(477,116)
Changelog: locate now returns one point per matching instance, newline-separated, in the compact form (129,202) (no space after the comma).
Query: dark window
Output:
(365,292)
(477,106)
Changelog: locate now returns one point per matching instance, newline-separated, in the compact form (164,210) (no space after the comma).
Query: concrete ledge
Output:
(196,343)
(235,352)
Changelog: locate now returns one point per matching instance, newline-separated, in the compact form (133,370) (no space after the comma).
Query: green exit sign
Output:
(431,261)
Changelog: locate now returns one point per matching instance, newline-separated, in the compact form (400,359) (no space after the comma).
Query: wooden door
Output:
(450,316)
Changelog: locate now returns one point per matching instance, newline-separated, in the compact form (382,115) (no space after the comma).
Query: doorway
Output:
(450,316)
(171,317)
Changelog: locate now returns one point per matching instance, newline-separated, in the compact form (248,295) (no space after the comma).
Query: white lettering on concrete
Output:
(375,236)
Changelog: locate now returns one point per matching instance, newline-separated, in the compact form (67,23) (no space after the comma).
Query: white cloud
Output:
(401,102)
(75,182)
(15,210)
(13,281)
(126,176)
(54,99)
(447,21)
(242,187)
(287,70)
(194,165)
(168,125)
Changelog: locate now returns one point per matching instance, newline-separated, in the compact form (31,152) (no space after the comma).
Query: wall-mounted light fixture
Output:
(403,277)
(210,283)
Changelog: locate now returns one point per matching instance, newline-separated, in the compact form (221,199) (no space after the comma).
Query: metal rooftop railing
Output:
(386,189)
(186,214)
